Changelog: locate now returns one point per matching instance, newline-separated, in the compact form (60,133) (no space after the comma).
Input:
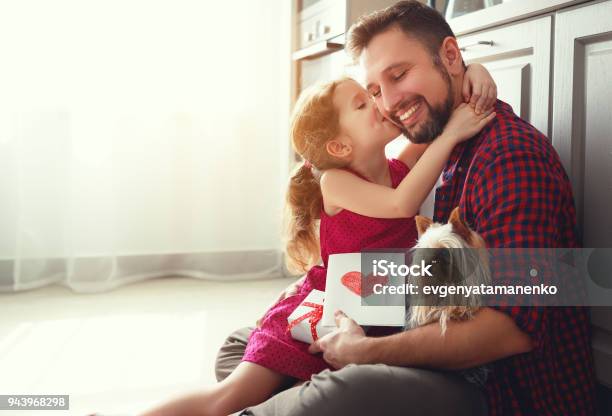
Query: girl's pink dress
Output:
(346,232)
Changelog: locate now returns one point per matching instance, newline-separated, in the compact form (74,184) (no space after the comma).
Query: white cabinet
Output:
(570,49)
(518,57)
(582,134)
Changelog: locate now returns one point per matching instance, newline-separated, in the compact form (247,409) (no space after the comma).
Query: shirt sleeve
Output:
(515,204)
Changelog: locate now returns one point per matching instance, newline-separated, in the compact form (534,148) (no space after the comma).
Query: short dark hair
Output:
(414,18)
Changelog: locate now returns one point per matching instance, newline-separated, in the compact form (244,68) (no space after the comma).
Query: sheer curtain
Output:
(140,139)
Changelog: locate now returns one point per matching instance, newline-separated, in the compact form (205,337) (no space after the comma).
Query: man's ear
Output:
(451,56)
(339,148)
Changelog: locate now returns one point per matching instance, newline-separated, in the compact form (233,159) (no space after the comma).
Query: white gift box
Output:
(307,316)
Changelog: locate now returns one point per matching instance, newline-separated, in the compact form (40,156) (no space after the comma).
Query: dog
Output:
(459,257)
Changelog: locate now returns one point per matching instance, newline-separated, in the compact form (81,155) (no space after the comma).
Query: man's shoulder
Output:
(510,136)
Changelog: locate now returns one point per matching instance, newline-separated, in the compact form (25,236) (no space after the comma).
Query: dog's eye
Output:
(441,256)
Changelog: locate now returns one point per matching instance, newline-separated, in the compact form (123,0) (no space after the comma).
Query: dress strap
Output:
(398,171)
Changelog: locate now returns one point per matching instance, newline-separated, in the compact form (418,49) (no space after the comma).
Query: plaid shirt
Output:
(512,189)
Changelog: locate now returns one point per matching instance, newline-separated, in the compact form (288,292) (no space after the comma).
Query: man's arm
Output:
(508,212)
(489,336)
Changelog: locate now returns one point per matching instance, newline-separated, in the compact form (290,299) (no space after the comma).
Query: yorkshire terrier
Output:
(458,256)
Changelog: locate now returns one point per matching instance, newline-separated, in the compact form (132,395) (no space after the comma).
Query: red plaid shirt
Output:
(512,189)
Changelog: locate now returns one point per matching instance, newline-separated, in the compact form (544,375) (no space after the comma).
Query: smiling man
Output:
(512,189)
(415,92)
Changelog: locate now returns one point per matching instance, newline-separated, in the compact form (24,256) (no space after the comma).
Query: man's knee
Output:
(231,352)
(353,389)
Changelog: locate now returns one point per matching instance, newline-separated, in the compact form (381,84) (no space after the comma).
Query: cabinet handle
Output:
(480,42)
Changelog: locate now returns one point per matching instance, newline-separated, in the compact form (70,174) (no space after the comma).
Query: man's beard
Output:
(431,128)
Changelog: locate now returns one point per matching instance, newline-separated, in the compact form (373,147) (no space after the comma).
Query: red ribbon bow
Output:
(315,316)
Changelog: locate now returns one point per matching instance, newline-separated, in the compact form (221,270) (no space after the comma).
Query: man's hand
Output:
(291,290)
(342,346)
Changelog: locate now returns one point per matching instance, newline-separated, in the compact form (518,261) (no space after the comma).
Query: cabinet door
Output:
(518,57)
(582,126)
(322,69)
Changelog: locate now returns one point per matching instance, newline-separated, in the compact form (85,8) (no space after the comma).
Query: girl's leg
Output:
(249,384)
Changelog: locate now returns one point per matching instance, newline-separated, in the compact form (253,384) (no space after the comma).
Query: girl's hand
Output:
(464,123)
(479,89)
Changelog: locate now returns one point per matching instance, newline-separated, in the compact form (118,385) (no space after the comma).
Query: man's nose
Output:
(390,99)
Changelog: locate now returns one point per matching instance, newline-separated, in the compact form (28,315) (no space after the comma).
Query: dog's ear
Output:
(422,224)
(459,226)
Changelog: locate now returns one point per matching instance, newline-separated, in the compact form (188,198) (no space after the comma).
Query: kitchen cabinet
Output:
(322,20)
(518,56)
(321,28)
(570,49)
(581,133)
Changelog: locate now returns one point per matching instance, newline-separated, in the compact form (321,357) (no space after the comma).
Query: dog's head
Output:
(455,233)
(458,256)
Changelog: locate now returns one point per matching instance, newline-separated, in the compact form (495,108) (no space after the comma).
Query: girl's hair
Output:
(314,122)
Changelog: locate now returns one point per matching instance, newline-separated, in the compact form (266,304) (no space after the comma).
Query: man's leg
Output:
(377,389)
(231,352)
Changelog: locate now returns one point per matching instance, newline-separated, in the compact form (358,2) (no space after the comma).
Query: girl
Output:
(363,201)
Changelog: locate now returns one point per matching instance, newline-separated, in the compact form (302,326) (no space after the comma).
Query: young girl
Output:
(362,199)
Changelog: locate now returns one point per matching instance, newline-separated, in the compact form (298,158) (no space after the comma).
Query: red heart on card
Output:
(352,281)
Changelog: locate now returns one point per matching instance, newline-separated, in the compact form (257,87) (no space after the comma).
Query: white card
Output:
(338,294)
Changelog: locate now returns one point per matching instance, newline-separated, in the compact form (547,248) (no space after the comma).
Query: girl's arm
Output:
(412,153)
(344,190)
(479,90)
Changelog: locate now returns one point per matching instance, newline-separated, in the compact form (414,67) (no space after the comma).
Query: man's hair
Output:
(415,19)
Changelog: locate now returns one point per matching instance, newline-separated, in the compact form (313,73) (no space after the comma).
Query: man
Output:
(511,188)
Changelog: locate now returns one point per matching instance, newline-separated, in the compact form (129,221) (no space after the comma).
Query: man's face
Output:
(407,86)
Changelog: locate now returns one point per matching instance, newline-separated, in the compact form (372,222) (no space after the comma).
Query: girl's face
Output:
(360,121)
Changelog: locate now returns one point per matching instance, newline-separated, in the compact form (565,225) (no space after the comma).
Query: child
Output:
(362,199)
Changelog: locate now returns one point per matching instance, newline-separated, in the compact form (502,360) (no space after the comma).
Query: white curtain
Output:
(141,138)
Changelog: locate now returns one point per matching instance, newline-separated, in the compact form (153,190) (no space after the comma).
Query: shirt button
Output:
(459,169)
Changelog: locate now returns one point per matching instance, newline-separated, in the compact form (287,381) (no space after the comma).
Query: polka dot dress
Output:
(346,232)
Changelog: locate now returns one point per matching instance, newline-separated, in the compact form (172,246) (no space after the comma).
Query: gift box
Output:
(305,321)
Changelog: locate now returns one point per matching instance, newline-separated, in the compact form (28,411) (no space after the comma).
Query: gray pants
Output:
(371,389)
